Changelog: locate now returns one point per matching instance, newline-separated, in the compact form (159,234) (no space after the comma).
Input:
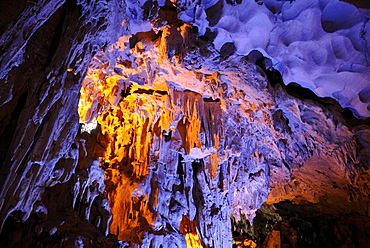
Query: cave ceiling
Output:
(184,124)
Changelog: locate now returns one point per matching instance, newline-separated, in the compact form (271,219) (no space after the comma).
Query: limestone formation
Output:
(184,124)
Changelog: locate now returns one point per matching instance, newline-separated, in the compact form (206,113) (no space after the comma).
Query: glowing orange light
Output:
(192,240)
(246,243)
(136,104)
(188,228)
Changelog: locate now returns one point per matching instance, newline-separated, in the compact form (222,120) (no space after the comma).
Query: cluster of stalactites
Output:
(138,115)
(163,129)
(201,143)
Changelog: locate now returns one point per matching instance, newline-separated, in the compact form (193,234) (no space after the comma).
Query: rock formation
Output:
(184,124)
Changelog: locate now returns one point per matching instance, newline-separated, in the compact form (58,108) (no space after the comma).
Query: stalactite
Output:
(203,143)
(202,124)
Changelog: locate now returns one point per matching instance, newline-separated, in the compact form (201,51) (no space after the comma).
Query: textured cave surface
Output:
(215,122)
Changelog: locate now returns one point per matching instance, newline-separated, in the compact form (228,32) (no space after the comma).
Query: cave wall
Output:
(45,51)
(188,134)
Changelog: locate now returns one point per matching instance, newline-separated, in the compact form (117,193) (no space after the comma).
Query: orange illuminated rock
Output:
(205,138)
(188,228)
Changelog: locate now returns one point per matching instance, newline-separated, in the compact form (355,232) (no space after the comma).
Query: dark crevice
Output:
(210,99)
(214,13)
(167,137)
(274,77)
(150,36)
(234,2)
(8,133)
(150,9)
(286,164)
(257,174)
(347,115)
(227,50)
(10,11)
(180,167)
(281,123)
(56,39)
(221,177)
(303,226)
(150,91)
(127,91)
(198,167)
(208,36)
(27,239)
